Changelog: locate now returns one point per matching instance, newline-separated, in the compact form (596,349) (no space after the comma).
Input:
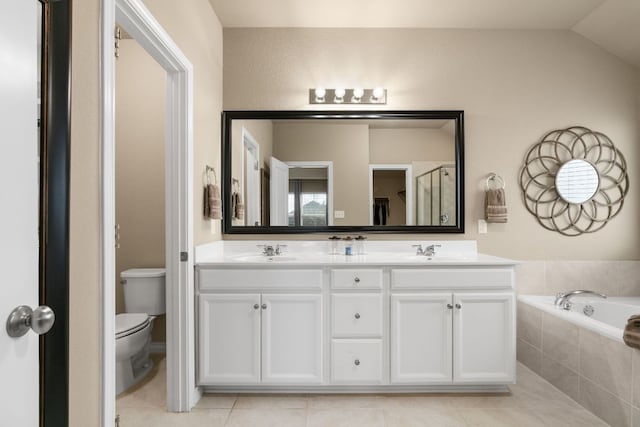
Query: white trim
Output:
(321,164)
(136,20)
(158,347)
(408,176)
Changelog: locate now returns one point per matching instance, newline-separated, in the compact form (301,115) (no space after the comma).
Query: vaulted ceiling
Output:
(612,24)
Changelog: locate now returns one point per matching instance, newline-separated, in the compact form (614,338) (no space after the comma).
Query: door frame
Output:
(136,20)
(251,188)
(321,164)
(408,178)
(55,208)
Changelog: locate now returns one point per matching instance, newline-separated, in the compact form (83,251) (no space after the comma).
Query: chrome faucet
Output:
(428,251)
(269,250)
(563,299)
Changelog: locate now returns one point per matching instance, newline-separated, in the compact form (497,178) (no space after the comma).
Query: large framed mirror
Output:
(343,171)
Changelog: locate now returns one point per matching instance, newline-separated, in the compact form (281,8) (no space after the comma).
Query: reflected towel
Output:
(238,207)
(495,205)
(631,334)
(213,202)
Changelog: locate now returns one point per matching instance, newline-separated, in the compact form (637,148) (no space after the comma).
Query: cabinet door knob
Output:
(264,306)
(458,306)
(357,316)
(256,306)
(449,306)
(357,362)
(357,280)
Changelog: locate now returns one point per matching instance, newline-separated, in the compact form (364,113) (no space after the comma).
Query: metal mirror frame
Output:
(541,165)
(229,116)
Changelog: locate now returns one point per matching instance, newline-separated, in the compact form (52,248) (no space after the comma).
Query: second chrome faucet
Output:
(563,299)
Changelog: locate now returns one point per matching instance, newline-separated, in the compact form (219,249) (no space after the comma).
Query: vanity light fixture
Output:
(319,94)
(341,95)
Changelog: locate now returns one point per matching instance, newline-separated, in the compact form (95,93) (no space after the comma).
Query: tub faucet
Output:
(563,299)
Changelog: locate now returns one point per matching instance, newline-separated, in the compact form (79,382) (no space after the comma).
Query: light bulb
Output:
(358,93)
(338,95)
(378,93)
(320,92)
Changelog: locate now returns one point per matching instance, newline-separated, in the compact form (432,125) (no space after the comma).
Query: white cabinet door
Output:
(19,22)
(483,338)
(292,338)
(229,350)
(421,338)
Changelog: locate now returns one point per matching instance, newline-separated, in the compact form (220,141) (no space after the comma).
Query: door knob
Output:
(22,318)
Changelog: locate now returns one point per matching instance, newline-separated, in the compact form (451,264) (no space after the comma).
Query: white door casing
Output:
(229,339)
(421,338)
(408,178)
(292,338)
(279,192)
(483,338)
(137,21)
(19,371)
(251,166)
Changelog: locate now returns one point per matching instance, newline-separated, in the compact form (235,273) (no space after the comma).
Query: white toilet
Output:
(144,299)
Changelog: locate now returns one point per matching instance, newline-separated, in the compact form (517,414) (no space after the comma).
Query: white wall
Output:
(514,86)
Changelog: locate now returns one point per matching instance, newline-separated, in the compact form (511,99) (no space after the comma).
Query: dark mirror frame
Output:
(229,116)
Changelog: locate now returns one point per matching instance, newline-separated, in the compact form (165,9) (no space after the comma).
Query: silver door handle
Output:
(22,319)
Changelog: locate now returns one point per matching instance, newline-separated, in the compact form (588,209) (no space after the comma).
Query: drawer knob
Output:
(458,306)
(357,280)
(449,306)
(357,316)
(357,362)
(256,306)
(264,306)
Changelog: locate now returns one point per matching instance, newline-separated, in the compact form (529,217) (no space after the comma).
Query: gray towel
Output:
(495,205)
(213,204)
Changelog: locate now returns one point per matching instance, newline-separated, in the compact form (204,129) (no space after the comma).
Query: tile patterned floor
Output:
(532,402)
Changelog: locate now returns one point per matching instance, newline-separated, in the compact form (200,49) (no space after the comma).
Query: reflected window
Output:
(307,203)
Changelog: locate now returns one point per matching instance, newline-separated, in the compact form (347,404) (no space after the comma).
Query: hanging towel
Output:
(213,202)
(495,205)
(631,334)
(238,207)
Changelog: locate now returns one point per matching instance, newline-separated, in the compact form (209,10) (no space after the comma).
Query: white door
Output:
(421,338)
(229,347)
(292,339)
(19,403)
(483,338)
(279,192)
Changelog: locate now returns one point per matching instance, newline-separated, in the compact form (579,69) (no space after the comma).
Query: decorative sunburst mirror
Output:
(574,181)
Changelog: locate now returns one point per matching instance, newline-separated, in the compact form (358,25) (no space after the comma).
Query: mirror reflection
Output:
(577,181)
(343,172)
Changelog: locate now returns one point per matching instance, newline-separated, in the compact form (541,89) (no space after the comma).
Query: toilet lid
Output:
(128,323)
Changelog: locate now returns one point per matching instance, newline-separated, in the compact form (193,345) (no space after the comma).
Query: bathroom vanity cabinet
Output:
(355,327)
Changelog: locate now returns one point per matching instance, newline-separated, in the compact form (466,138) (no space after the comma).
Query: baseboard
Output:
(158,347)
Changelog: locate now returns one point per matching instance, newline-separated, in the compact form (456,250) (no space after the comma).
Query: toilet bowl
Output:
(144,297)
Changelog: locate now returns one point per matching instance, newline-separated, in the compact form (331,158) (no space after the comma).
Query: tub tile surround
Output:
(594,370)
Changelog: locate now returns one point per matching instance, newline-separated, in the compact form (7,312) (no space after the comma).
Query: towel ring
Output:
(497,180)
(209,171)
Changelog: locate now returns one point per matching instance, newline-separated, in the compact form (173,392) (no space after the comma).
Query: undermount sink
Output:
(265,258)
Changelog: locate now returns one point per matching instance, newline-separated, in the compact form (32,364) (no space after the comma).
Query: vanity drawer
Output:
(356,315)
(259,278)
(356,361)
(356,278)
(459,278)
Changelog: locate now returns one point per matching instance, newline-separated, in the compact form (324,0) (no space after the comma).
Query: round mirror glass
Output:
(577,181)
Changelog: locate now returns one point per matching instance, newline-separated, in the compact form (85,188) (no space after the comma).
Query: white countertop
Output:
(451,253)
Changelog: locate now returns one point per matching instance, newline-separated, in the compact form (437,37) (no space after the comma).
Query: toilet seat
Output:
(130,323)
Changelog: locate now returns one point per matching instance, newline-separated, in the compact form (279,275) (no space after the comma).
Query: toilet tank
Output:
(144,290)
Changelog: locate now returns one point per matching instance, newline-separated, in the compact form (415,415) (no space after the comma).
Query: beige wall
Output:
(140,156)
(197,31)
(514,86)
(409,145)
(347,146)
